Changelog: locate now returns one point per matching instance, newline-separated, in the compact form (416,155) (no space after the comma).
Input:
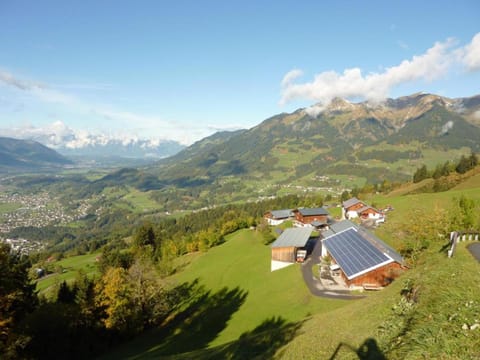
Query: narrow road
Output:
(474,248)
(315,285)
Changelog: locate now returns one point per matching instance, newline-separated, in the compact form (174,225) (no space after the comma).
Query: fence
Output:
(457,236)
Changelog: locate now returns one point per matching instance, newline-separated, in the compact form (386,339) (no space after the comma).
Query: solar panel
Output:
(354,253)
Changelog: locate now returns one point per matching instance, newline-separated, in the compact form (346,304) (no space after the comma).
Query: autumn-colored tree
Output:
(114,295)
(17,299)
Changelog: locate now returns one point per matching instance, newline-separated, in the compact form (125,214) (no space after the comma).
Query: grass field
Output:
(241,266)
(71,266)
(425,314)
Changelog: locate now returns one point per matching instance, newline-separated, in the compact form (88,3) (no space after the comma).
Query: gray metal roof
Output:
(314,211)
(350,202)
(296,237)
(342,225)
(379,244)
(318,223)
(281,214)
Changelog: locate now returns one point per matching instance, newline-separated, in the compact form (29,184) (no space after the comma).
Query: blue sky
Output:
(184,69)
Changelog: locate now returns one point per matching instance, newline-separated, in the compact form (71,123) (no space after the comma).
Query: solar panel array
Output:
(353,252)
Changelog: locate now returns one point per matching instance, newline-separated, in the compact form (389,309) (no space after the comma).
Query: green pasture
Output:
(252,298)
(70,267)
(140,201)
(244,262)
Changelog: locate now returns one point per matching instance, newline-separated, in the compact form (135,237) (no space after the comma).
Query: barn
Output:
(364,259)
(292,243)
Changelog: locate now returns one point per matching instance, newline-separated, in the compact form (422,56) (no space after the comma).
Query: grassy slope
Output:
(432,328)
(71,266)
(449,296)
(244,261)
(279,299)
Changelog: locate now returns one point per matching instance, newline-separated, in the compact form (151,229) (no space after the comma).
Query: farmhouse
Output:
(350,207)
(362,258)
(291,246)
(276,217)
(354,208)
(306,216)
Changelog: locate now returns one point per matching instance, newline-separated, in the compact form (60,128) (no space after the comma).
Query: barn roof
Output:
(313,212)
(296,237)
(350,202)
(357,251)
(342,225)
(281,214)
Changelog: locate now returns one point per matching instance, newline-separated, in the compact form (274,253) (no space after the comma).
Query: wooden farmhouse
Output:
(354,208)
(290,246)
(276,217)
(362,258)
(306,216)
(350,207)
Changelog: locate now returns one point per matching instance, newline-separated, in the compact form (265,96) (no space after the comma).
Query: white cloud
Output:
(471,56)
(291,76)
(135,124)
(446,127)
(354,84)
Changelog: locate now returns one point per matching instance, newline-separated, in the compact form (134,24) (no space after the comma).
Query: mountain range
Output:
(342,142)
(84,144)
(376,141)
(28,155)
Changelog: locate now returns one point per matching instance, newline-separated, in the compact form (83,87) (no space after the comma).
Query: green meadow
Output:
(68,269)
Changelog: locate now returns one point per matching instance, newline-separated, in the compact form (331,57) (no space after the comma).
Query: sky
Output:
(183,70)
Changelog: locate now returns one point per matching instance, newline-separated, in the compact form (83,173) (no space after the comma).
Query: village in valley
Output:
(348,256)
(35,210)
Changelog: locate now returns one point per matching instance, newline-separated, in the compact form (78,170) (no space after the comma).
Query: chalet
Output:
(350,207)
(291,246)
(306,216)
(354,208)
(276,217)
(362,258)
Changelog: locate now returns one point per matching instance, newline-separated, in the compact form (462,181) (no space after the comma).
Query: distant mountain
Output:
(341,138)
(69,142)
(128,149)
(28,155)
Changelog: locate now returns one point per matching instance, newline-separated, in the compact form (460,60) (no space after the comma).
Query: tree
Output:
(17,299)
(420,174)
(145,236)
(114,295)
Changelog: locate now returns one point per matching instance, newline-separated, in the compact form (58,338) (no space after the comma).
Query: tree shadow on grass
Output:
(199,316)
(260,343)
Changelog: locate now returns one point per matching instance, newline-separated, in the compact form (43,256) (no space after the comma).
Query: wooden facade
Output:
(286,254)
(355,207)
(381,276)
(308,219)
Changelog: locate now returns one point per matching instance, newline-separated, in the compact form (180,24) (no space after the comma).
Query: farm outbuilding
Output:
(289,245)
(364,259)
(276,217)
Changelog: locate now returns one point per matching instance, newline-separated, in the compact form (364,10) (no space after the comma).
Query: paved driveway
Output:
(474,248)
